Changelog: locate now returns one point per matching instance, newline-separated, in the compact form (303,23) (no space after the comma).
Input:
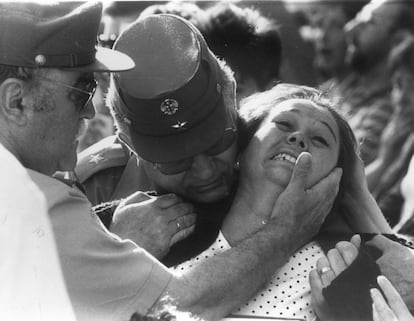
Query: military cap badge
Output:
(169,106)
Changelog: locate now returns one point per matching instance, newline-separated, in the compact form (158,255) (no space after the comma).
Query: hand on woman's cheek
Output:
(301,209)
(255,186)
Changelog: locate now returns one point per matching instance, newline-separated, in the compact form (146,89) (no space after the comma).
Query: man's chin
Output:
(68,162)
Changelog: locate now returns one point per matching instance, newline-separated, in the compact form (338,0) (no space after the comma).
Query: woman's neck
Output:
(247,214)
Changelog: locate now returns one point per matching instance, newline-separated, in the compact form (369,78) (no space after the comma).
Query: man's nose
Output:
(203,166)
(298,139)
(89,111)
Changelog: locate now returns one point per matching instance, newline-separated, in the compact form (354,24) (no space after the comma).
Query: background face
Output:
(403,88)
(330,43)
(369,35)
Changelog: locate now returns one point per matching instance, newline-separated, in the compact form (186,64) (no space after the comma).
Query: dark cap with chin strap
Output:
(61,35)
(173,100)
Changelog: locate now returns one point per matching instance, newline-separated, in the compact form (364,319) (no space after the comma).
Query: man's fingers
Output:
(178,210)
(322,195)
(137,197)
(167,200)
(182,222)
(329,185)
(188,220)
(348,252)
(302,169)
(182,234)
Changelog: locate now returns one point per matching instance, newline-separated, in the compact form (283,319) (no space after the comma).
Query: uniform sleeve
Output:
(32,284)
(107,278)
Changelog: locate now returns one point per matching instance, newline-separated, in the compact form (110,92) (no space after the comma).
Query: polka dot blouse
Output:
(288,292)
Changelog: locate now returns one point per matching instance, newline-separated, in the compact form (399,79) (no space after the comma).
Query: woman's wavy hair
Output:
(254,109)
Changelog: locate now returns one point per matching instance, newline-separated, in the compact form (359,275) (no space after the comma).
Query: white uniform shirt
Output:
(32,285)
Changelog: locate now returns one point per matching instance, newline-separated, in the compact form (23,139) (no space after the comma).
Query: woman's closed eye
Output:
(320,141)
(283,124)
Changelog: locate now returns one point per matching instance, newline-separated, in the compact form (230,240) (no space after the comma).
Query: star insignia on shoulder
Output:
(179,125)
(96,158)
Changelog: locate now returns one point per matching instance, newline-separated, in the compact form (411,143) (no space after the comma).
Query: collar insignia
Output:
(95,158)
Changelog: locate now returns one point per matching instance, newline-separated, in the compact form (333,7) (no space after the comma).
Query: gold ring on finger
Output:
(324,270)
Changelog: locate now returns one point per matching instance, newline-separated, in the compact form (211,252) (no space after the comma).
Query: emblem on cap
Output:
(169,106)
(40,60)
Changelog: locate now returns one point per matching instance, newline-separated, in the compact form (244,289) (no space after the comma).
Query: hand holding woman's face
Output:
(292,127)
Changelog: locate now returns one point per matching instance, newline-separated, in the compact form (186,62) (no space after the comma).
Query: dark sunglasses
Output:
(176,167)
(84,95)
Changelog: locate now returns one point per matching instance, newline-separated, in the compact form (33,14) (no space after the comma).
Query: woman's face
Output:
(292,127)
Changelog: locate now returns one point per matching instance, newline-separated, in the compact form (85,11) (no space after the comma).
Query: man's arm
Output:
(222,283)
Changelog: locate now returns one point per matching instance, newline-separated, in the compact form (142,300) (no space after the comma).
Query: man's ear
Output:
(11,97)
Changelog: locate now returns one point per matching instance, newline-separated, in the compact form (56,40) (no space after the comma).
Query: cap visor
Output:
(108,60)
(183,144)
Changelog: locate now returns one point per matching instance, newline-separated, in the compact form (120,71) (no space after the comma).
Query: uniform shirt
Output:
(109,172)
(32,285)
(107,278)
(288,292)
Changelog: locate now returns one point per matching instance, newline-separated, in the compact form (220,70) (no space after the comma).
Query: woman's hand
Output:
(395,309)
(328,268)
(361,210)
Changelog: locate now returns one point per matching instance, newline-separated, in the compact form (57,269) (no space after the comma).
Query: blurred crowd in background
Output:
(363,53)
(120,209)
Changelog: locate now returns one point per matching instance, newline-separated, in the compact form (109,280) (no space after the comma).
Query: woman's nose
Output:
(298,139)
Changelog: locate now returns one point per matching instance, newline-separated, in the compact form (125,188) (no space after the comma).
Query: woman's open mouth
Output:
(285,157)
